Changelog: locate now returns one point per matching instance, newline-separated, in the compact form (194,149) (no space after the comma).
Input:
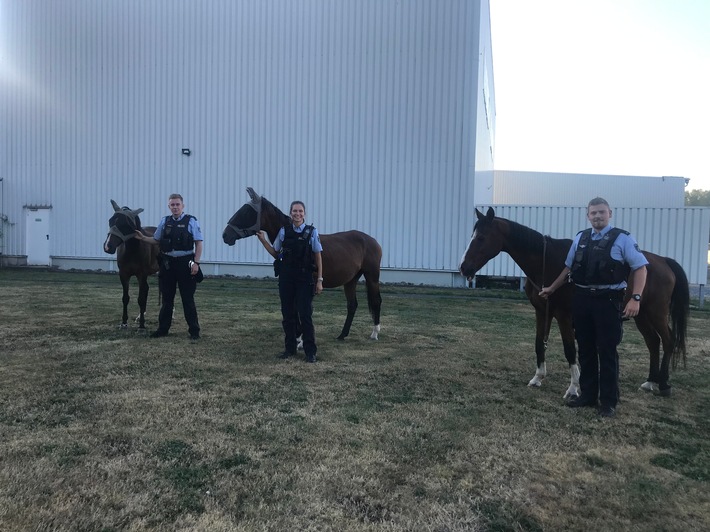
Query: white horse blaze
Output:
(467,248)
(540,374)
(375,332)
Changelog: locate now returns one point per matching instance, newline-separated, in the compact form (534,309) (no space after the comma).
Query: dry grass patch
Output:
(431,428)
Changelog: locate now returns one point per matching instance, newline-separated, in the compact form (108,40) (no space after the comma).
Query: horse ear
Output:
(116,208)
(479,214)
(490,214)
(255,198)
(137,212)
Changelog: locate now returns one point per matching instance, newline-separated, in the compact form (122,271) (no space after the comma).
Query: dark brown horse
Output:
(346,256)
(134,257)
(662,318)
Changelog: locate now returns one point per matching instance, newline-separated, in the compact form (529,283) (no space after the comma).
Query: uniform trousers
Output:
(296,291)
(598,330)
(175,273)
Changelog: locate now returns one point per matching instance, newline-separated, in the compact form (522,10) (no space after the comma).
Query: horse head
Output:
(246,221)
(122,226)
(486,243)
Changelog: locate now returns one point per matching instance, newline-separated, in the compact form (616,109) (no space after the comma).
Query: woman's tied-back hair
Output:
(297,202)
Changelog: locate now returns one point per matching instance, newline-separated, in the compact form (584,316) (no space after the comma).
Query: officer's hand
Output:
(632,308)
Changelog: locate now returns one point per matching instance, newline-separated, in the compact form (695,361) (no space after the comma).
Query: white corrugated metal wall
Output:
(679,233)
(369,111)
(553,188)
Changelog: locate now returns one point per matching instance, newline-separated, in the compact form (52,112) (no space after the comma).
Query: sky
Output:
(616,87)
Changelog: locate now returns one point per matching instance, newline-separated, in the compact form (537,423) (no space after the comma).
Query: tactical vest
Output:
(296,249)
(593,263)
(176,236)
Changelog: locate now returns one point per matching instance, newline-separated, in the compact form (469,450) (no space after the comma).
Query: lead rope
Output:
(547,299)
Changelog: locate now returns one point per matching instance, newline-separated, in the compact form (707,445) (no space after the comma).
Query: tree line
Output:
(697,198)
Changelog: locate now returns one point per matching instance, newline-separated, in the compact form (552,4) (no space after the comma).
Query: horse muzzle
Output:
(232,233)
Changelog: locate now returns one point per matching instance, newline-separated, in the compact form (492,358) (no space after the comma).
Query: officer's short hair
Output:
(598,201)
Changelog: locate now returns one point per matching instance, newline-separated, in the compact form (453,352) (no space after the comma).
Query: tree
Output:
(697,198)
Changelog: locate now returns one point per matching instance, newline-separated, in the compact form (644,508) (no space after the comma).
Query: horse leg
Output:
(540,328)
(664,332)
(653,343)
(374,301)
(351,296)
(299,334)
(142,300)
(570,349)
(126,298)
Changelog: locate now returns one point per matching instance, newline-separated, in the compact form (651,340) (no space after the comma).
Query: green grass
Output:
(431,428)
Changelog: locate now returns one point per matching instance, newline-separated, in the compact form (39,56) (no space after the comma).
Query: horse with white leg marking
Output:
(346,256)
(134,257)
(662,319)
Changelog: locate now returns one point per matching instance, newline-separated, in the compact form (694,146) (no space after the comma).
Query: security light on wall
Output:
(187,151)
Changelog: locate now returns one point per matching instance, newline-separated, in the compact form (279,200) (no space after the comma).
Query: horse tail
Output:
(372,280)
(679,311)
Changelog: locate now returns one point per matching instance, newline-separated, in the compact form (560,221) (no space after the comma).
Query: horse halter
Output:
(130,216)
(243,232)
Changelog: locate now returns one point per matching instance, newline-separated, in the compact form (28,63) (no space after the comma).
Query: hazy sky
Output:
(603,86)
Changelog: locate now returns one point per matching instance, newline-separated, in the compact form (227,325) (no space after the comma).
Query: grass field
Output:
(432,428)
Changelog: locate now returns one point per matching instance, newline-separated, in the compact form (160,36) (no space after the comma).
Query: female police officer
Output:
(298,249)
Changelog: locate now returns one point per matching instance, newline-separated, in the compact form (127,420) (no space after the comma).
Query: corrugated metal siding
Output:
(550,188)
(681,234)
(365,110)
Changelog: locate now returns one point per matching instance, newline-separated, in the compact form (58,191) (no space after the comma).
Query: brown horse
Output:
(666,297)
(134,257)
(346,256)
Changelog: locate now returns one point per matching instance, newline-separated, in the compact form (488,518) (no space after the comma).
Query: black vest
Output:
(593,264)
(296,249)
(176,236)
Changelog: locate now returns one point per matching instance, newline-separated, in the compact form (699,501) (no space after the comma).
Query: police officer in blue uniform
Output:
(180,239)
(598,263)
(297,249)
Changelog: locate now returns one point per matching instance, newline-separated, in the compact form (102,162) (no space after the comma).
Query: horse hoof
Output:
(648,387)
(662,393)
(123,326)
(341,338)
(142,330)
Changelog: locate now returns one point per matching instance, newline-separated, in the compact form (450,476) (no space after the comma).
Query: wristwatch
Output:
(636,297)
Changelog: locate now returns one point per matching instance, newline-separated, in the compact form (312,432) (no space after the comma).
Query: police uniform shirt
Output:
(315,238)
(193,228)
(624,249)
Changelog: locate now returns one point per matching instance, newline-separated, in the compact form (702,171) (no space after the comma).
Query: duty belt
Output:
(601,292)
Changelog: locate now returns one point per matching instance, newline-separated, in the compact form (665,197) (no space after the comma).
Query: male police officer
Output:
(599,262)
(180,239)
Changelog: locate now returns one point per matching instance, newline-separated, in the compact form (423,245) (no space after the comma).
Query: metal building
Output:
(379,114)
(574,190)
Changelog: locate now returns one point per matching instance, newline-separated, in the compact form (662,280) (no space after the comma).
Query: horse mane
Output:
(266,204)
(523,237)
